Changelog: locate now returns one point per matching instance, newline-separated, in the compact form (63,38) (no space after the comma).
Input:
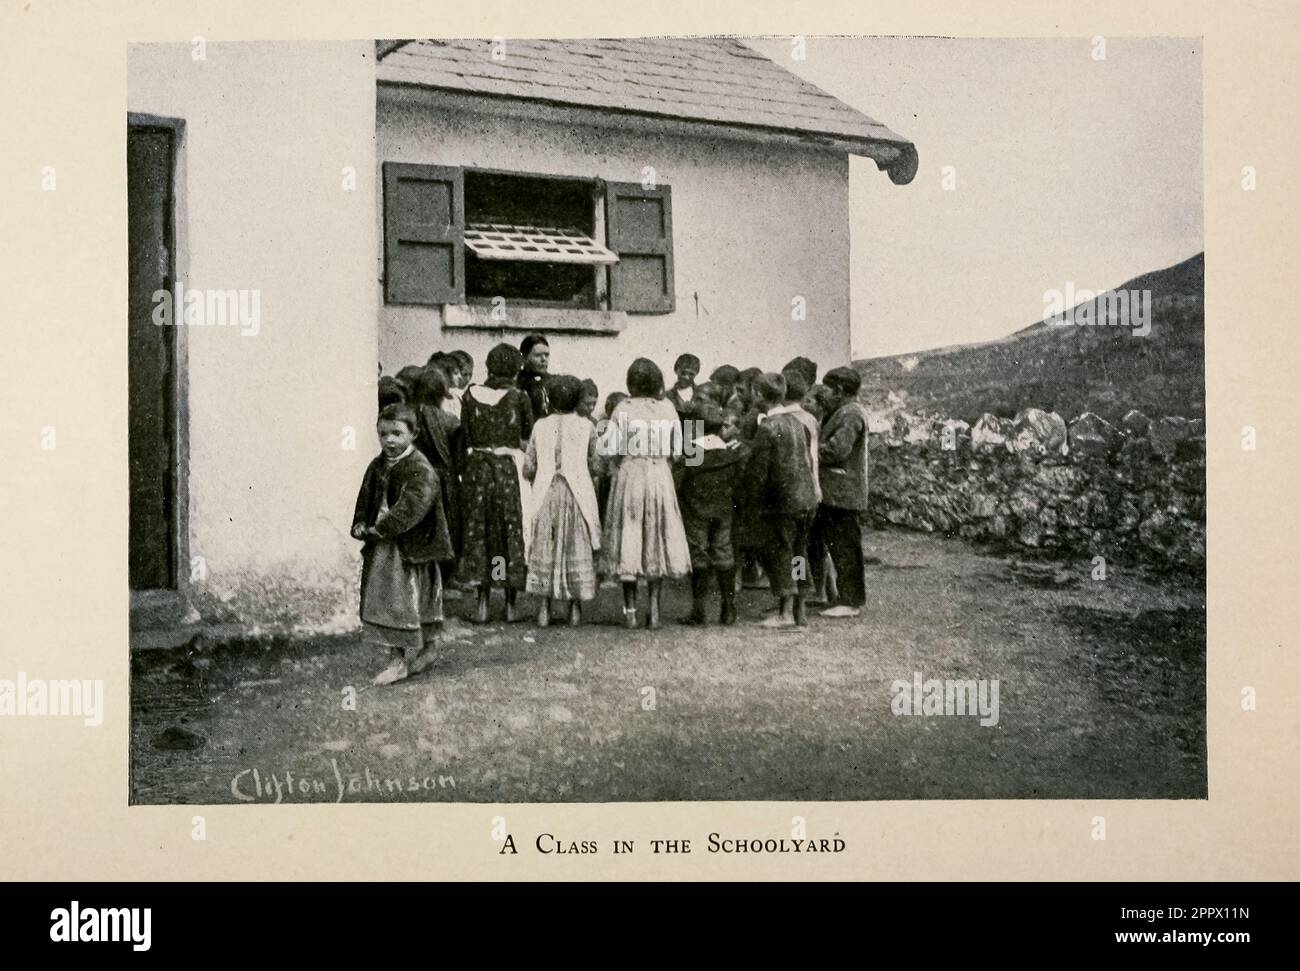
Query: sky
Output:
(1067,169)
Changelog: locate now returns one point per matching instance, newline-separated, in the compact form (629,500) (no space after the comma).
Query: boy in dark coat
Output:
(841,516)
(706,495)
(782,498)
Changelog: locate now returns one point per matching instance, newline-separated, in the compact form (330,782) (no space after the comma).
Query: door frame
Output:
(170,608)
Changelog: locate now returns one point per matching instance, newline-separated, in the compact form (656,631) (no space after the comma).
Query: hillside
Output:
(1066,368)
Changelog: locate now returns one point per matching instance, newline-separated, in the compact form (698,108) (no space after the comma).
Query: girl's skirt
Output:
(561,562)
(492,553)
(401,603)
(644,535)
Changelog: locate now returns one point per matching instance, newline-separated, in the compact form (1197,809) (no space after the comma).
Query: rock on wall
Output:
(1088,488)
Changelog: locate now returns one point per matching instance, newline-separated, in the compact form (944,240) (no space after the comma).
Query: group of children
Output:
(515,483)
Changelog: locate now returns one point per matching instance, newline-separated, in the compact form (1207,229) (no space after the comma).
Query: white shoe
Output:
(394,672)
(840,611)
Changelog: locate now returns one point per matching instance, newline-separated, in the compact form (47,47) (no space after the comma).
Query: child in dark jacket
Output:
(399,517)
(781,499)
(706,494)
(841,518)
(439,439)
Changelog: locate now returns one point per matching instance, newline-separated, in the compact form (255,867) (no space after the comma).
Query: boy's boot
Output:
(800,610)
(699,595)
(727,588)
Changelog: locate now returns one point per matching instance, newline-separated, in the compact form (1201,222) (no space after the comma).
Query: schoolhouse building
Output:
(332,210)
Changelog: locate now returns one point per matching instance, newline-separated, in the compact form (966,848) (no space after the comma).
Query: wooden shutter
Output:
(639,225)
(424,234)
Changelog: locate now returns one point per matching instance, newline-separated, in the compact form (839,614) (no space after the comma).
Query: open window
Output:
(470,236)
(534,242)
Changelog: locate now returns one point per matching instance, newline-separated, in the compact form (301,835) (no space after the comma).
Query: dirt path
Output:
(1101,694)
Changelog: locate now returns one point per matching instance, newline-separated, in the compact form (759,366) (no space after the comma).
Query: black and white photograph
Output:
(666,419)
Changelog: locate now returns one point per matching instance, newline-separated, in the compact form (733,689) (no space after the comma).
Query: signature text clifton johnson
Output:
(252,785)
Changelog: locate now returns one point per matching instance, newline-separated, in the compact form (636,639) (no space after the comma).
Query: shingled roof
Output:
(705,79)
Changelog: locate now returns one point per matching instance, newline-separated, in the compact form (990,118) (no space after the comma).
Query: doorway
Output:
(153,387)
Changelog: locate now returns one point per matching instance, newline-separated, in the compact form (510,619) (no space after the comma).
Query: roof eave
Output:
(895,156)
(385,47)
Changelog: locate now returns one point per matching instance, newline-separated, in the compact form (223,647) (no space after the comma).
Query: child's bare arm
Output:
(530,459)
(594,463)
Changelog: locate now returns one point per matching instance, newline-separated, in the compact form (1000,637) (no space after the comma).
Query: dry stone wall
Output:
(1088,488)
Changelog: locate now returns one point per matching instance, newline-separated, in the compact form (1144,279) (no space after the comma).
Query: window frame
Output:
(600,285)
(607,300)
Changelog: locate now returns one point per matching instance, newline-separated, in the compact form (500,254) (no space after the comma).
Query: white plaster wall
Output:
(754,225)
(269,130)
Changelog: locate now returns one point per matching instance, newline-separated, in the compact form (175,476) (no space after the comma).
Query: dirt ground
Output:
(1101,688)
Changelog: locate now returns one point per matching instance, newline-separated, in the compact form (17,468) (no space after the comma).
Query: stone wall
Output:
(1089,488)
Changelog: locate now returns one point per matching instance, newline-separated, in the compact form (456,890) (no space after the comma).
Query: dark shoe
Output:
(700,582)
(752,578)
(727,590)
(423,661)
(800,612)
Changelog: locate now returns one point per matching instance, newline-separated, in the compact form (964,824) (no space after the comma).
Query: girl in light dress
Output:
(644,535)
(566,526)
